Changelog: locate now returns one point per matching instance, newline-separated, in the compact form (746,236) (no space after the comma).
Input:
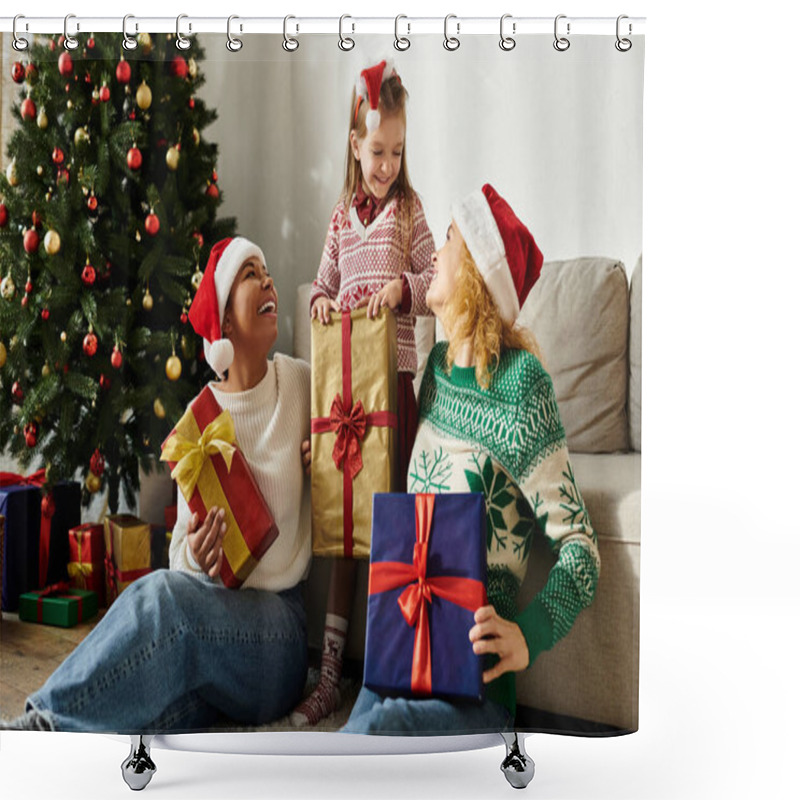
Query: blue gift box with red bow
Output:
(427,579)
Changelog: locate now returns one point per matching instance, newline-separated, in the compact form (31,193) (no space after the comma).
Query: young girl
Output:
(377,253)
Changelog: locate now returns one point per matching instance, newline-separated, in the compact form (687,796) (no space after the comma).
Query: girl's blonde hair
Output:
(471,315)
(392,102)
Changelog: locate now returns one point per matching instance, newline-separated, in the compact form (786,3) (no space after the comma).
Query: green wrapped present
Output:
(59,604)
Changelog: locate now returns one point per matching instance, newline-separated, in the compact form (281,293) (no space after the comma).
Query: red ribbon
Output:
(420,588)
(350,422)
(36,479)
(60,589)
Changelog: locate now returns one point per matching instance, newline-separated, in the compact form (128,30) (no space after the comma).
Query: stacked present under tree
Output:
(86,566)
(127,552)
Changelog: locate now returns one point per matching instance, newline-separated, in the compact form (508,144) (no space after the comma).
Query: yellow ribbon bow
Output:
(218,437)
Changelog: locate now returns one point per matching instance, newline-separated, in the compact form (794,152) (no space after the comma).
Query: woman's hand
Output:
(322,308)
(205,541)
(305,454)
(391,295)
(493,634)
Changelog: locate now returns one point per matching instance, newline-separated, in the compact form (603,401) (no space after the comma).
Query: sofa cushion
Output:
(578,311)
(635,359)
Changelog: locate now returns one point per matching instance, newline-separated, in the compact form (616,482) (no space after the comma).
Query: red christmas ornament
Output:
(212,191)
(16,393)
(116,358)
(134,158)
(3,215)
(90,344)
(105,93)
(123,71)
(97,464)
(28,109)
(65,64)
(178,67)
(87,78)
(24,301)
(88,275)
(45,314)
(191,102)
(17,72)
(36,219)
(52,45)
(184,318)
(29,286)
(62,176)
(30,241)
(91,203)
(58,155)
(31,431)
(214,176)
(105,383)
(31,73)
(90,43)
(198,238)
(152,224)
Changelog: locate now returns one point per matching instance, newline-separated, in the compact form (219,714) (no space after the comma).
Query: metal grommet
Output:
(561,43)
(401,43)
(507,42)
(451,43)
(18,43)
(346,43)
(181,42)
(233,44)
(623,44)
(290,43)
(70,42)
(128,42)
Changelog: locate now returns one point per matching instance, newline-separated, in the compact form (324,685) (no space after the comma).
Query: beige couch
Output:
(587,319)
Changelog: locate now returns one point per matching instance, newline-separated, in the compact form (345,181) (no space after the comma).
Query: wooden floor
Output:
(29,652)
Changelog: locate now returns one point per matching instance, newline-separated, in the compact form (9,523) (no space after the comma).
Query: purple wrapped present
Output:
(427,578)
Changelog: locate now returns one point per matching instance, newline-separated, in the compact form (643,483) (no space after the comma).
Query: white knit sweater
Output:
(271,421)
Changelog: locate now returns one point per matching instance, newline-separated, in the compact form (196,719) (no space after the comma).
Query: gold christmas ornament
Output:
(81,136)
(144,97)
(69,104)
(93,483)
(45,370)
(145,43)
(3,355)
(196,278)
(7,288)
(158,408)
(147,301)
(195,136)
(63,336)
(138,236)
(42,120)
(39,170)
(52,242)
(173,157)
(11,173)
(13,342)
(185,347)
(192,65)
(173,367)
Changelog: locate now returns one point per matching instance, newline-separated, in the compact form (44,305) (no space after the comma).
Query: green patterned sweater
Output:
(508,443)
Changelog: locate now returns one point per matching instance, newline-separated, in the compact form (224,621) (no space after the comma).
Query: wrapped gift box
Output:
(86,567)
(353,427)
(127,558)
(59,604)
(210,470)
(427,578)
(35,544)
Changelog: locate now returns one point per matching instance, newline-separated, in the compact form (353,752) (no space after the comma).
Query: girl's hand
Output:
(493,634)
(305,454)
(322,308)
(205,541)
(391,295)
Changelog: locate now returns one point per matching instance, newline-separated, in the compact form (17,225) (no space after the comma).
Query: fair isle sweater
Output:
(359,260)
(271,420)
(508,443)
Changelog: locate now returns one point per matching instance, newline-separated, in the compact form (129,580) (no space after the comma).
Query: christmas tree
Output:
(107,214)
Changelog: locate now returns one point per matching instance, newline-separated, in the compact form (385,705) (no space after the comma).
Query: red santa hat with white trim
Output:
(208,306)
(368,86)
(501,246)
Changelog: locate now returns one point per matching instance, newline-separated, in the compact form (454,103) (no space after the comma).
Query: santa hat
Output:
(502,247)
(368,85)
(208,307)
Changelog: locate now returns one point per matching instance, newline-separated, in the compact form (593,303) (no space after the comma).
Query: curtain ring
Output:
(128,42)
(233,44)
(181,42)
(401,43)
(346,43)
(451,43)
(561,43)
(19,44)
(70,42)
(623,45)
(507,42)
(290,43)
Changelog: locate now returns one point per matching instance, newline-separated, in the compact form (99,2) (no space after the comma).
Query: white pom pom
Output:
(219,355)
(373,120)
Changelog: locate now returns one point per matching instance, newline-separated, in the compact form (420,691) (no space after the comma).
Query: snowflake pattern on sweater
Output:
(508,443)
(359,260)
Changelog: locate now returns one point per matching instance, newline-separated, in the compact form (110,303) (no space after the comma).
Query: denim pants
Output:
(174,651)
(373,713)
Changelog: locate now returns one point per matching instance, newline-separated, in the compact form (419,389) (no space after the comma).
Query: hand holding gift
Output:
(205,540)
(493,634)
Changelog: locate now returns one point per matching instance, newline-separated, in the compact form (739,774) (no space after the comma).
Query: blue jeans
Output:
(174,651)
(388,715)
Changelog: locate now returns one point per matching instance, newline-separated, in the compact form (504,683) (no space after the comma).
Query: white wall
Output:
(558,134)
